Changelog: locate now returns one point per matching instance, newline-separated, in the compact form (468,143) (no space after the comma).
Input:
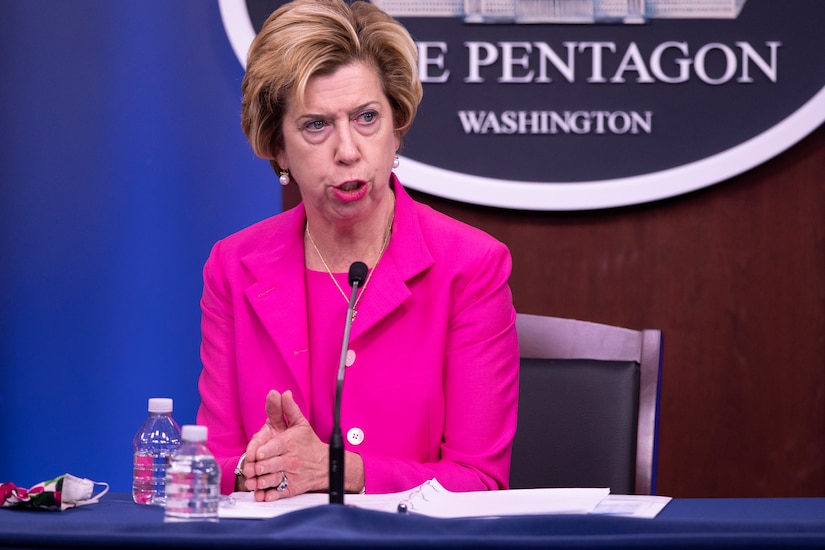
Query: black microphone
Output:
(357,274)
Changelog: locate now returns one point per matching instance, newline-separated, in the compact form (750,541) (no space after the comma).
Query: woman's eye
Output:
(369,116)
(315,125)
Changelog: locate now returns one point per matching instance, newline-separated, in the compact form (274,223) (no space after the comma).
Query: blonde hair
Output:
(304,38)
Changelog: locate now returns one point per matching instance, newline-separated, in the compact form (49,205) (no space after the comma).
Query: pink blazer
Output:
(434,389)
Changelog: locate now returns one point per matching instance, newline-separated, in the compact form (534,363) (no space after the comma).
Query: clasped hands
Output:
(287,447)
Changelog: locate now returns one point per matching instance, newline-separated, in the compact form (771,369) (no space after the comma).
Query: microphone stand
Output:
(357,273)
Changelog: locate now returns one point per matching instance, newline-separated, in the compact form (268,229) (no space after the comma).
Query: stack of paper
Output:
(432,499)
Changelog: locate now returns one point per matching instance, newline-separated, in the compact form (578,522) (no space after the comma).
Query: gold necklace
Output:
(369,275)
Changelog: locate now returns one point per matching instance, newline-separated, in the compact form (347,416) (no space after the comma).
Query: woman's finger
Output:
(275,411)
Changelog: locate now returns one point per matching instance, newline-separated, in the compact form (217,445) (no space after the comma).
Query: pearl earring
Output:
(395,162)
(283,177)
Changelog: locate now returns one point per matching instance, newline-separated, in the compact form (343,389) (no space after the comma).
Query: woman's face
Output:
(340,144)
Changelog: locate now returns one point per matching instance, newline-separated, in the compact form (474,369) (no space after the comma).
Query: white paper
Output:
(634,506)
(242,505)
(432,499)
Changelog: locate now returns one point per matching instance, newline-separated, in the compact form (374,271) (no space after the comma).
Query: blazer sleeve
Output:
(220,409)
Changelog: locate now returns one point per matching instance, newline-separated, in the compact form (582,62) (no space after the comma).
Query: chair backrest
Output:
(588,405)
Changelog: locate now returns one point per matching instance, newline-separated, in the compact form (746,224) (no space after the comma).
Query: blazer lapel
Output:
(406,256)
(278,298)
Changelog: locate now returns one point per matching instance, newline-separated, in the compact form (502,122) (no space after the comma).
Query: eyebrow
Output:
(359,108)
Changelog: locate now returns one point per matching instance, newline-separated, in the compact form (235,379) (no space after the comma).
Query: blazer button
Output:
(355,436)
(350,358)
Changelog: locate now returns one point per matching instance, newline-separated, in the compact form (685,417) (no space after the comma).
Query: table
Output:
(116,522)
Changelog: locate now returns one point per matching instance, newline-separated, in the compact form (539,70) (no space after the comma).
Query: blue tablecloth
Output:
(116,522)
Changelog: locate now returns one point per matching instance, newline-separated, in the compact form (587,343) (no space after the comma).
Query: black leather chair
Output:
(588,406)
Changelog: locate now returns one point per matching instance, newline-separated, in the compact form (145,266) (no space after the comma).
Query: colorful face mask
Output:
(58,494)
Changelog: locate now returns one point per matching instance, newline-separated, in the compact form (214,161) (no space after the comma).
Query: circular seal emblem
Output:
(588,104)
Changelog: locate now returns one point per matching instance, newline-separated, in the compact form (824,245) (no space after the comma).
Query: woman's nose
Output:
(347,150)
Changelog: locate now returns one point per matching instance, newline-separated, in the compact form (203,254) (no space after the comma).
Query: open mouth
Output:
(351,186)
(351,191)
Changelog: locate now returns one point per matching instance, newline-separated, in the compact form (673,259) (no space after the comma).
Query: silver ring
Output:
(283,484)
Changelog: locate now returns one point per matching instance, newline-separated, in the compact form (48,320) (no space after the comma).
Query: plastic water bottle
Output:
(193,490)
(154,443)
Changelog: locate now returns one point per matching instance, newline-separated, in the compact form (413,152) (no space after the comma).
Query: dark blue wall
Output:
(122,161)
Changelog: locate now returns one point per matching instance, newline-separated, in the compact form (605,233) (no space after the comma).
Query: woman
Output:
(432,378)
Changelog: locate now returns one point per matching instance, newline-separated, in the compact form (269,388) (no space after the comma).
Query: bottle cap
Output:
(194,433)
(160,405)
